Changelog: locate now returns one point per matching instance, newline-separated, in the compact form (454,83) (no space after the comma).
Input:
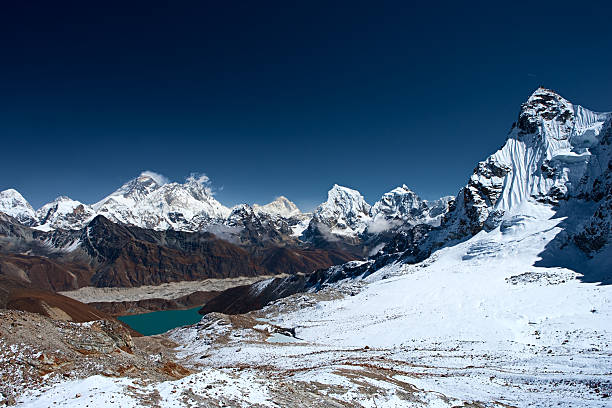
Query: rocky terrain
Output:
(38,351)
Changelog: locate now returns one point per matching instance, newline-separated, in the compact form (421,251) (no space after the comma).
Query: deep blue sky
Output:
(271,98)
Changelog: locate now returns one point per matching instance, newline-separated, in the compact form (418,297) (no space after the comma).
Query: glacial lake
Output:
(159,322)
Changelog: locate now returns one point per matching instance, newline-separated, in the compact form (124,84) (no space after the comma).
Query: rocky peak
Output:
(241,211)
(344,206)
(546,110)
(549,157)
(138,188)
(398,203)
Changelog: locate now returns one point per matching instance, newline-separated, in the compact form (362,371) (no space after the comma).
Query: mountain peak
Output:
(281,206)
(13,204)
(403,189)
(138,188)
(401,202)
(543,107)
(338,191)
(10,192)
(62,198)
(346,212)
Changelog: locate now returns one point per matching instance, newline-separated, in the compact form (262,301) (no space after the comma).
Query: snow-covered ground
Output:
(476,322)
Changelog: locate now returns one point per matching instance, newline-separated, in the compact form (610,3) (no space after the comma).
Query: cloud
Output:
(325,231)
(380,224)
(375,250)
(158,178)
(203,180)
(198,178)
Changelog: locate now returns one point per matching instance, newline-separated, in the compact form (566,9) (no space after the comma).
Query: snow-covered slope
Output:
(490,324)
(13,204)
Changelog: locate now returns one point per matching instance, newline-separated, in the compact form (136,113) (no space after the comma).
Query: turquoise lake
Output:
(159,322)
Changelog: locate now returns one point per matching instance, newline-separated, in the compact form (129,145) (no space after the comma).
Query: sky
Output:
(280,98)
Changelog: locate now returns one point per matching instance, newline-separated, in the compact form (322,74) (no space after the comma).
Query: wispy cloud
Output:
(159,178)
(202,179)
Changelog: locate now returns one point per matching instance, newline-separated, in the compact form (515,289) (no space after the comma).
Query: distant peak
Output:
(13,204)
(339,188)
(62,198)
(403,189)
(13,194)
(280,206)
(544,95)
(139,187)
(340,195)
(10,192)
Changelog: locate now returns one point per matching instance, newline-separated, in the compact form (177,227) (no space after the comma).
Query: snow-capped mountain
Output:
(146,203)
(402,206)
(64,213)
(250,226)
(150,202)
(347,217)
(557,160)
(13,204)
(437,209)
(344,215)
(554,152)
(281,207)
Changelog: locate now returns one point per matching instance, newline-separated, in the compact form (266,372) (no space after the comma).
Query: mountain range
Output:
(557,155)
(149,203)
(499,296)
(556,163)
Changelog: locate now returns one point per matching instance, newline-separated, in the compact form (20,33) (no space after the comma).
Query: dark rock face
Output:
(106,254)
(42,273)
(129,256)
(243,299)
(542,105)
(258,228)
(597,231)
